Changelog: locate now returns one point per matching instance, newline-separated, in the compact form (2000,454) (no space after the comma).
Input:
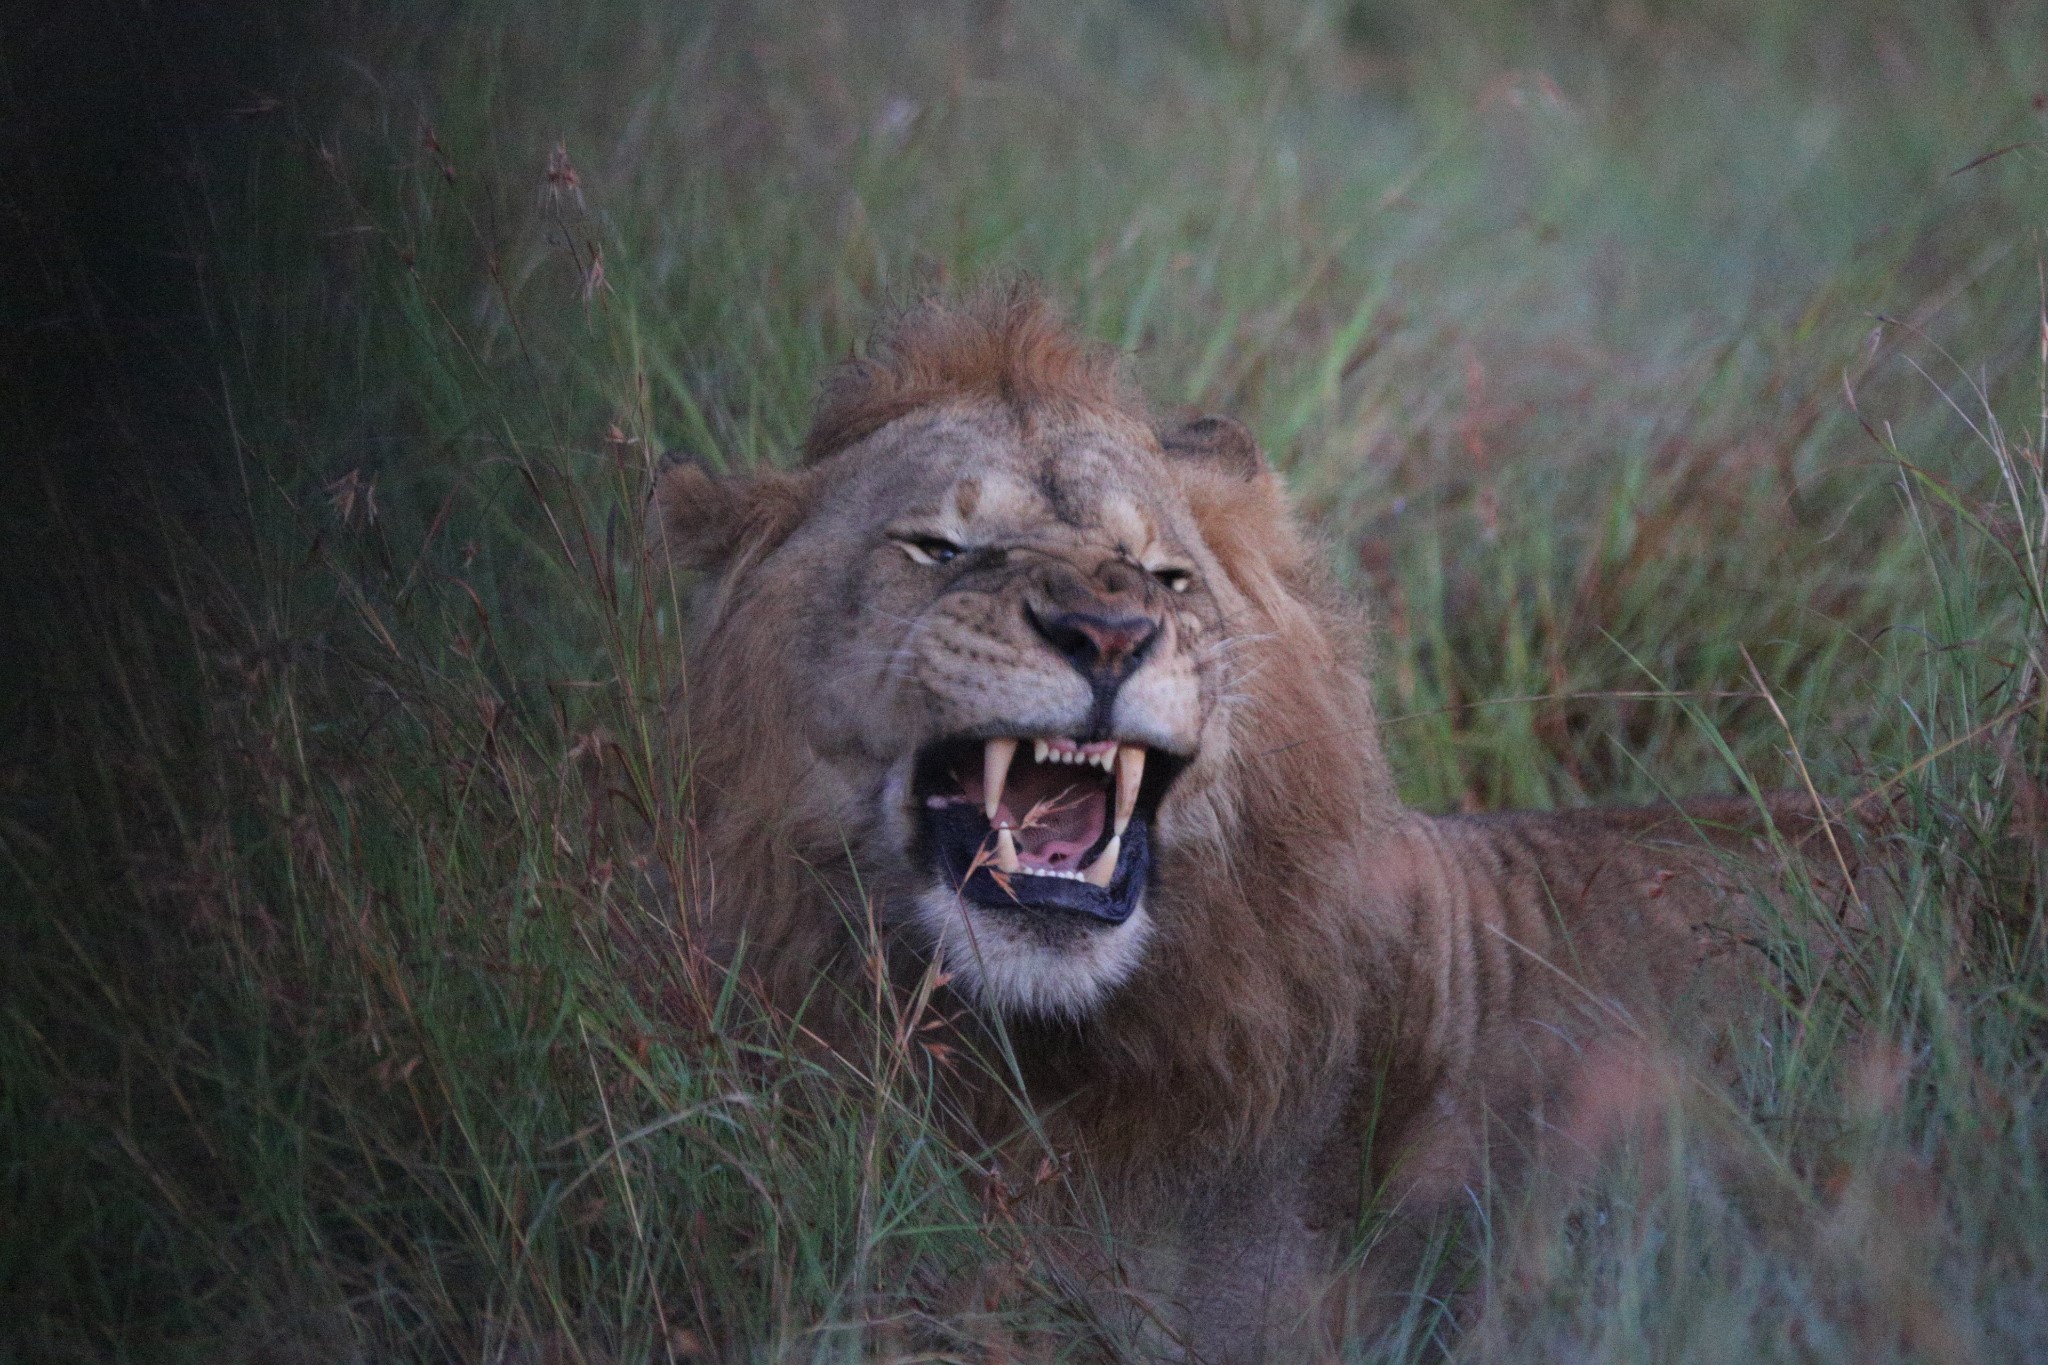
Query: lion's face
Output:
(1011,648)
(1028,661)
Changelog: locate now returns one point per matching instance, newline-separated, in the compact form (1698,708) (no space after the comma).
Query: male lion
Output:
(1076,697)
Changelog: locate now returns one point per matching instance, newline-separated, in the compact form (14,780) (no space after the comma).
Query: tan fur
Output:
(1008,348)
(1333,994)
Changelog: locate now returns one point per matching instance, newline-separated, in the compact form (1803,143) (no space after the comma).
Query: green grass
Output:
(333,1024)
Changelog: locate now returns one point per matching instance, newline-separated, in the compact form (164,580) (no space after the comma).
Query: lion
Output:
(1063,702)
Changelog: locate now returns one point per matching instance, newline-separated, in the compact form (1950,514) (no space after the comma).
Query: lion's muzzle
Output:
(1038,803)
(1104,623)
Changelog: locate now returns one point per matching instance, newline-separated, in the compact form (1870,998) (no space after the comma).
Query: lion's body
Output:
(1320,995)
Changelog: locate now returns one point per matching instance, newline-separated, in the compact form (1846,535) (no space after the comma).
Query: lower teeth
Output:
(1063,874)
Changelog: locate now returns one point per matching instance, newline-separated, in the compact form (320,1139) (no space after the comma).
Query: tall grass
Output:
(1612,350)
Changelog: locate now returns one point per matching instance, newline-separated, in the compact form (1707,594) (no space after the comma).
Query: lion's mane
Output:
(1262,982)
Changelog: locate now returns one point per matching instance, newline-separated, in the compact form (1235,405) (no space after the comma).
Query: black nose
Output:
(1102,648)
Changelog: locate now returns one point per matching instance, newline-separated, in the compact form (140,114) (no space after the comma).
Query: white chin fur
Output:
(1014,972)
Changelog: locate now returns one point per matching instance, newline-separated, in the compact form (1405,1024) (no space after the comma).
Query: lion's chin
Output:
(1040,853)
(1032,966)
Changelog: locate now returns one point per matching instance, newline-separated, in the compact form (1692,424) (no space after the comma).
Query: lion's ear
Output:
(1239,504)
(1222,443)
(702,520)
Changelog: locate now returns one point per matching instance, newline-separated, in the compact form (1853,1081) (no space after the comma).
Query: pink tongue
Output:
(1066,811)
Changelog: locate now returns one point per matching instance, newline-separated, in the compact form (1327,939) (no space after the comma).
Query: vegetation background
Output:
(1667,378)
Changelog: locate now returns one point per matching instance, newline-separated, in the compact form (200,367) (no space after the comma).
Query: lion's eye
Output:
(928,549)
(1176,580)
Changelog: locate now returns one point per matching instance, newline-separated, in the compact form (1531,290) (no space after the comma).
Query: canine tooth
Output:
(1130,775)
(1039,749)
(995,771)
(1006,851)
(1103,870)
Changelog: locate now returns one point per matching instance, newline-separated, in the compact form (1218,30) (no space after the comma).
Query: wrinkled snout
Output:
(1103,623)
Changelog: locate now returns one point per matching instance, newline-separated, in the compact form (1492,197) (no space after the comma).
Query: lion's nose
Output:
(1105,649)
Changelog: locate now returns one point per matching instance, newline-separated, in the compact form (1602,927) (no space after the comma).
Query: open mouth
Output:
(1048,824)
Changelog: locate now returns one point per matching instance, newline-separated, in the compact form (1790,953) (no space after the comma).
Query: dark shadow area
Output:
(120,122)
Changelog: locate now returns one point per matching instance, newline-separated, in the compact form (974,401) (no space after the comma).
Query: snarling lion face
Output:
(1056,678)
(1031,661)
(1009,652)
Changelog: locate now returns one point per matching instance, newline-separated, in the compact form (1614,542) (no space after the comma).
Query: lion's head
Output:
(1065,686)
